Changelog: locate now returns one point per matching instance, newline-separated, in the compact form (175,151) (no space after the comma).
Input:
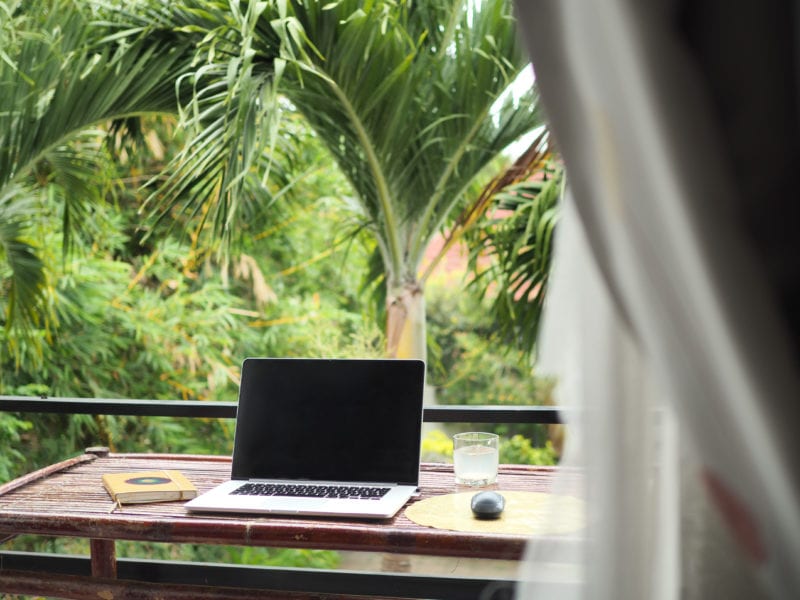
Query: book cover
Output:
(148,486)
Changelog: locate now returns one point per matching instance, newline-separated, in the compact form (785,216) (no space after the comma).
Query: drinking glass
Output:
(475,457)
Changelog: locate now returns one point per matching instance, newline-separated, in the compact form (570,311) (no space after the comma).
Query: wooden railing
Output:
(324,582)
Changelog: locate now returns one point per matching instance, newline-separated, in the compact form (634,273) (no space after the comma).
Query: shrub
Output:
(518,450)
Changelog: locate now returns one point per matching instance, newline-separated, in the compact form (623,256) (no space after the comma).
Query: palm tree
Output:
(63,72)
(408,97)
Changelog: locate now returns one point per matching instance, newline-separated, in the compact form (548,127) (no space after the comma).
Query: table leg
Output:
(104,558)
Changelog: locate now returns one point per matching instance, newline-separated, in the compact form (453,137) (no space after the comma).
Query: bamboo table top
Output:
(68,499)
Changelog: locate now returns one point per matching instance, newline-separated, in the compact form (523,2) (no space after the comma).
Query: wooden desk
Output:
(68,499)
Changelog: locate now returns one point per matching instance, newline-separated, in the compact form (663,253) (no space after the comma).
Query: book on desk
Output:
(148,486)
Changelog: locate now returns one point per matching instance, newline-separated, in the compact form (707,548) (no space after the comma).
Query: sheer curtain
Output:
(670,328)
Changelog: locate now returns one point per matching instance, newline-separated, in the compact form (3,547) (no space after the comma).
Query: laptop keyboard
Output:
(311,491)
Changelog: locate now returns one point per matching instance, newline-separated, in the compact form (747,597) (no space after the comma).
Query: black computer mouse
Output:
(487,505)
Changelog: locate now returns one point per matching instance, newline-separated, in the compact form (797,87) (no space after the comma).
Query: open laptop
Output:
(325,437)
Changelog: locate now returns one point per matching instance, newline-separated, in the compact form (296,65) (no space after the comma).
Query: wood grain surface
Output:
(68,499)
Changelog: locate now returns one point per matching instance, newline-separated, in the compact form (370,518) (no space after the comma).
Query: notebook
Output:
(345,431)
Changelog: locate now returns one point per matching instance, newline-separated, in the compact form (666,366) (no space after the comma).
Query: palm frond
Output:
(77,176)
(529,165)
(63,71)
(22,274)
(516,241)
(407,97)
(407,103)
(69,73)
(229,110)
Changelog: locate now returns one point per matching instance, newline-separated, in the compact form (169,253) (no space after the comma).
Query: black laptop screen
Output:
(341,419)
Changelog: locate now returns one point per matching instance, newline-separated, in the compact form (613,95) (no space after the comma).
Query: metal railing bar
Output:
(286,579)
(492,414)
(132,408)
(227,410)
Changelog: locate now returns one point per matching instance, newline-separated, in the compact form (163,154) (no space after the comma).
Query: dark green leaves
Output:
(518,241)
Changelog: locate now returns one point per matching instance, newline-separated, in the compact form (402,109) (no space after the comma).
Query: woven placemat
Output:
(526,513)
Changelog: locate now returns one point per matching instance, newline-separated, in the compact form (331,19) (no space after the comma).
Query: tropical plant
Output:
(511,250)
(413,119)
(437,446)
(409,98)
(161,321)
(518,450)
(61,73)
(164,319)
(10,430)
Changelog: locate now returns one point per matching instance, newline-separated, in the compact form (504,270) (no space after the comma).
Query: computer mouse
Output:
(487,505)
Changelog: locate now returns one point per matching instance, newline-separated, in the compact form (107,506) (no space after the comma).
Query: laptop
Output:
(323,437)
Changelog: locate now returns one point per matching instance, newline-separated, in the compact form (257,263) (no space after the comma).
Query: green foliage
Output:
(22,275)
(390,107)
(161,331)
(382,84)
(239,555)
(384,87)
(467,366)
(163,318)
(380,143)
(518,450)
(516,240)
(10,429)
(136,322)
(301,558)
(437,446)
(61,73)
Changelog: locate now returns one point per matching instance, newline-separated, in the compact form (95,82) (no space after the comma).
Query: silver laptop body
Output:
(323,426)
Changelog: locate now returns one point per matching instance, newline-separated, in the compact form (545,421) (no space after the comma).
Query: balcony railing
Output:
(327,582)
(227,410)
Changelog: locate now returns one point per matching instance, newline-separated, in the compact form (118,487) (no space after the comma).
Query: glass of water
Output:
(475,457)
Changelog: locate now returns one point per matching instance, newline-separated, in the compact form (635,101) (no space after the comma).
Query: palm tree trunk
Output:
(405,322)
(405,338)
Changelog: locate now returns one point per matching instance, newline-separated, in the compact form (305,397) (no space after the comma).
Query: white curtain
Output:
(661,325)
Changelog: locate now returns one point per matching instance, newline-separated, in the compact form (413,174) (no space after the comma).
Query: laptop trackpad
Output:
(290,505)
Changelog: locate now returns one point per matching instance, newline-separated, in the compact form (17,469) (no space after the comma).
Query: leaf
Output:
(519,248)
